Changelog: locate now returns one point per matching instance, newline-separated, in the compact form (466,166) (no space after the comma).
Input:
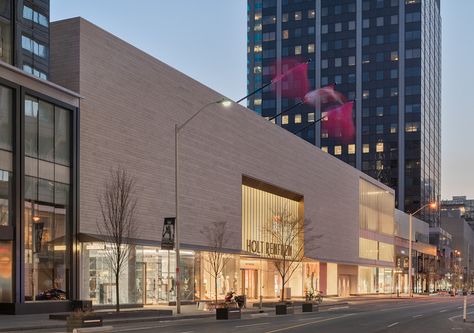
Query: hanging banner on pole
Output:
(167,236)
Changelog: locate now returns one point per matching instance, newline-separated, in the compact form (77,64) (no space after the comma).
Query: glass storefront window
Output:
(5,195)
(6,129)
(6,270)
(47,204)
(228,280)
(148,277)
(62,136)
(366,283)
(311,276)
(376,212)
(6,123)
(46,131)
(376,280)
(368,249)
(386,252)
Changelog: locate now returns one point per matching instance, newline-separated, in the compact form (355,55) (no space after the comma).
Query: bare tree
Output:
(217,235)
(286,234)
(118,224)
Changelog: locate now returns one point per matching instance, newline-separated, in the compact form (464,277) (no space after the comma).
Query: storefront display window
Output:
(149,276)
(366,284)
(228,280)
(47,202)
(311,276)
(6,267)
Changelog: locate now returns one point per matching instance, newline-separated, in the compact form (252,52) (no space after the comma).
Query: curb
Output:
(37,327)
(143,319)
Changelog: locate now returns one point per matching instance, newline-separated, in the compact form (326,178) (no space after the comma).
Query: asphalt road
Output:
(428,315)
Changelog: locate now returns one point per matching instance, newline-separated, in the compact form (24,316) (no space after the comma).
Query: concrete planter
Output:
(283,309)
(80,321)
(226,313)
(310,307)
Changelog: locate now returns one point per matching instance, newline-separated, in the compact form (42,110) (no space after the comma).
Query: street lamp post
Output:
(177,128)
(410,245)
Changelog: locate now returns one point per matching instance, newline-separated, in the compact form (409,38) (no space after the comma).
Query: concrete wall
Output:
(131,104)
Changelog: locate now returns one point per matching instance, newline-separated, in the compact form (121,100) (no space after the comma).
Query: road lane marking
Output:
(451,318)
(310,323)
(443,310)
(139,328)
(338,308)
(391,325)
(417,316)
(251,325)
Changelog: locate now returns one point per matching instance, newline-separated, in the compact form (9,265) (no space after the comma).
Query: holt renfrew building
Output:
(234,167)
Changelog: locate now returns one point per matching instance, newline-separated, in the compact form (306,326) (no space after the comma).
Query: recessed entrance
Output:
(250,283)
(344,285)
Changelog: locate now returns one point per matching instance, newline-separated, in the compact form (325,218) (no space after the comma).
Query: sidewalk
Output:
(41,321)
(357,298)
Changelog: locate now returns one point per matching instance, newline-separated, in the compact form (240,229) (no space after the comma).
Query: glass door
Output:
(250,283)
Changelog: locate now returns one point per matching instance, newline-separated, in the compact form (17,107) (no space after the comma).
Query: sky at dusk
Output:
(206,40)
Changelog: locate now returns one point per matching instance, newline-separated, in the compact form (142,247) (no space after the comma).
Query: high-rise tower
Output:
(385,55)
(24,35)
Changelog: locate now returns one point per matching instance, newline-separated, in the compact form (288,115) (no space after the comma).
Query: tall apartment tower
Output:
(383,54)
(24,35)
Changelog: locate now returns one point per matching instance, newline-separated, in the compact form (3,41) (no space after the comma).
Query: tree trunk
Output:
(215,286)
(117,305)
(283,283)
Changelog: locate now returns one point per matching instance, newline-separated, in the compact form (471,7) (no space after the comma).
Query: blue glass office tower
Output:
(385,55)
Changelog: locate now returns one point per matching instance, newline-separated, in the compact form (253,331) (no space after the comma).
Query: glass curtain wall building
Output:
(385,55)
(37,199)
(24,33)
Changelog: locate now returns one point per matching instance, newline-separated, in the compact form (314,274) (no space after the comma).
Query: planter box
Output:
(310,307)
(84,321)
(81,305)
(283,309)
(226,313)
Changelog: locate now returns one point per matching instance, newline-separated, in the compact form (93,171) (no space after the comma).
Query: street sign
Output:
(167,236)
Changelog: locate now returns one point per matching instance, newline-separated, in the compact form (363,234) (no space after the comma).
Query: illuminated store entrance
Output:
(250,283)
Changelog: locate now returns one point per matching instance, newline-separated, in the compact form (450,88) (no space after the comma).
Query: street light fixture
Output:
(432,205)
(225,103)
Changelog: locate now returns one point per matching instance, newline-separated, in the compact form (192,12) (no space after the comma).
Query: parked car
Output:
(51,294)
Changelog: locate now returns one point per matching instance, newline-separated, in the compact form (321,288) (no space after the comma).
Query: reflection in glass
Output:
(47,201)
(6,118)
(46,131)
(6,126)
(6,267)
(31,127)
(148,277)
(45,243)
(62,136)
(5,195)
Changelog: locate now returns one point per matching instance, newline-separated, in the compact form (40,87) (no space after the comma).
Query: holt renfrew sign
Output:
(267,249)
